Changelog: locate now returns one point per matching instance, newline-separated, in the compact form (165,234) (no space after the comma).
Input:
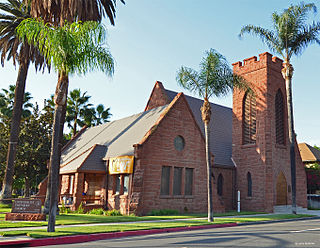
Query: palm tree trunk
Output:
(60,100)
(15,129)
(45,210)
(26,187)
(206,116)
(287,73)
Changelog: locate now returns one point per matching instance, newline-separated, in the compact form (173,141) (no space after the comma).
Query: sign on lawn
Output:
(26,206)
(121,165)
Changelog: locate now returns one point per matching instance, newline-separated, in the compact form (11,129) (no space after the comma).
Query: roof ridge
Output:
(199,99)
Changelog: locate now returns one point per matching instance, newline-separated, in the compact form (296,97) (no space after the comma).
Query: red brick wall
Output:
(158,150)
(265,159)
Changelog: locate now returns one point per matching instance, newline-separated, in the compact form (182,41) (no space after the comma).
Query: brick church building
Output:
(156,159)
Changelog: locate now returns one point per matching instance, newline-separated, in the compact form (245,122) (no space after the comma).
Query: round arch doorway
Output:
(281,190)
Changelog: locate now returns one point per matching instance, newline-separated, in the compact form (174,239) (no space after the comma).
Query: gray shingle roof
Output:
(220,128)
(117,137)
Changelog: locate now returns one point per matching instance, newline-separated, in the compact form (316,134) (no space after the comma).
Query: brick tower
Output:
(260,143)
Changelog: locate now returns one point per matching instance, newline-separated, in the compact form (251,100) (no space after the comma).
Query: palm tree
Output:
(290,36)
(72,48)
(102,115)
(12,13)
(7,99)
(78,108)
(215,78)
(59,11)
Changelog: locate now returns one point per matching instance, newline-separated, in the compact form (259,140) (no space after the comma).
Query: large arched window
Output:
(279,116)
(249,119)
(220,184)
(249,183)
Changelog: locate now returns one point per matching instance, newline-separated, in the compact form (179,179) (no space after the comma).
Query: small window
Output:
(177,180)
(188,181)
(118,186)
(179,143)
(220,184)
(165,180)
(71,184)
(126,184)
(249,182)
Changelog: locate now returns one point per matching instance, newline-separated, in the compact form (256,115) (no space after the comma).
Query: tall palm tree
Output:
(59,11)
(291,34)
(12,13)
(72,48)
(215,78)
(78,107)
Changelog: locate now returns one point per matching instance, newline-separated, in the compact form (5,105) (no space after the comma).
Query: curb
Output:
(277,221)
(102,236)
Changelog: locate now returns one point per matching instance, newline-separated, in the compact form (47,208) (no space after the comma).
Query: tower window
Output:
(249,183)
(249,119)
(279,116)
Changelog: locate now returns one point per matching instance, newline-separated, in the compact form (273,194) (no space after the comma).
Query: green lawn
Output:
(70,219)
(142,226)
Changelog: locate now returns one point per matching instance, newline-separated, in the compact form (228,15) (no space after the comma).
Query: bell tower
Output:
(260,143)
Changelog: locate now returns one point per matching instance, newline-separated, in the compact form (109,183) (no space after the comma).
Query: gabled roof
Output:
(114,139)
(220,128)
(308,153)
(89,160)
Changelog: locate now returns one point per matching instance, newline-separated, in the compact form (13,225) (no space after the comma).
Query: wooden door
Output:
(281,190)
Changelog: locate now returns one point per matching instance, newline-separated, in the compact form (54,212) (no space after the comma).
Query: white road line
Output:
(299,231)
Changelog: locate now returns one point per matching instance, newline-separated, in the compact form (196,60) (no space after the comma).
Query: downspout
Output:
(235,184)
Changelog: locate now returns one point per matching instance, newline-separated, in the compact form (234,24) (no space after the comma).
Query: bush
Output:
(97,211)
(112,212)
(164,212)
(80,209)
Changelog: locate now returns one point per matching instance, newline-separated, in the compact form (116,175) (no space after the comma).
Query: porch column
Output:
(78,190)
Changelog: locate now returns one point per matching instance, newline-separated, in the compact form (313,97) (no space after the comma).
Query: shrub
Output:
(97,211)
(164,212)
(112,212)
(80,209)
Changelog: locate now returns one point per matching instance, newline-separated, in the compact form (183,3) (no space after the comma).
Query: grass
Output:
(71,219)
(143,226)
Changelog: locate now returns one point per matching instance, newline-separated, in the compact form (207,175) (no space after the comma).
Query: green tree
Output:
(78,109)
(33,154)
(72,48)
(102,115)
(291,34)
(7,99)
(57,13)
(12,13)
(215,78)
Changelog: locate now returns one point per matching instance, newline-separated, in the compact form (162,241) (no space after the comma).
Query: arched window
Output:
(220,184)
(279,111)
(249,183)
(249,119)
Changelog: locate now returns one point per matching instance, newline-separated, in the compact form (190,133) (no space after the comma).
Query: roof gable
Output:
(118,136)
(220,128)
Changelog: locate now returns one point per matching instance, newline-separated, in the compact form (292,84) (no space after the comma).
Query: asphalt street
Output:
(304,233)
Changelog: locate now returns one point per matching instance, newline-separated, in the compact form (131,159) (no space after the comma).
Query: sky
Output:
(152,39)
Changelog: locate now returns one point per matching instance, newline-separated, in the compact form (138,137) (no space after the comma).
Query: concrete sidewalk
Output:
(27,241)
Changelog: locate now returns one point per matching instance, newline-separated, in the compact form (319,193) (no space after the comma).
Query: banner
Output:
(121,165)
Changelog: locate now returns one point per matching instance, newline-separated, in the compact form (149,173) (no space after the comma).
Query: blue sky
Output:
(153,38)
